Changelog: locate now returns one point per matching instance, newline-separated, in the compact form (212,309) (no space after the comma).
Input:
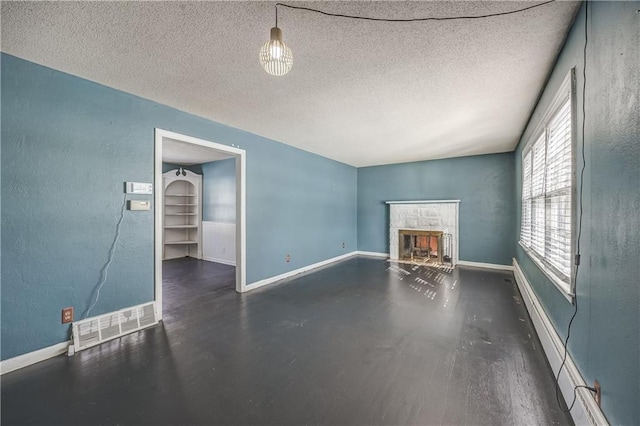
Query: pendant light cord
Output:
(580,207)
(443,18)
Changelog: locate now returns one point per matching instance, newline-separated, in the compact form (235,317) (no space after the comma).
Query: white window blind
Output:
(537,196)
(558,191)
(525,225)
(547,188)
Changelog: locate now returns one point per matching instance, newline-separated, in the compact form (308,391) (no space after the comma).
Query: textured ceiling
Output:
(187,154)
(364,93)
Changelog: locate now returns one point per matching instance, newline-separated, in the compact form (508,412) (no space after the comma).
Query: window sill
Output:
(562,287)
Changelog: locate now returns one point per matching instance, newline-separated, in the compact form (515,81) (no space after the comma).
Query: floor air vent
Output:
(93,331)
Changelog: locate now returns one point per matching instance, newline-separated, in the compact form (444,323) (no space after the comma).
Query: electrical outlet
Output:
(343,245)
(67,315)
(598,395)
(287,258)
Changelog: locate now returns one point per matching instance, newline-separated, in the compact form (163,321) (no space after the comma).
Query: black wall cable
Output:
(444,18)
(577,257)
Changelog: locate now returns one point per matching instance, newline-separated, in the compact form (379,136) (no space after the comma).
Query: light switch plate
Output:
(139,205)
(138,188)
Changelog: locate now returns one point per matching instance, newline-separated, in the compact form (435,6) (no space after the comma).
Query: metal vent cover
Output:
(95,330)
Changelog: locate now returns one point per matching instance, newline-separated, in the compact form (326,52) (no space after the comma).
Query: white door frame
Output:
(241,253)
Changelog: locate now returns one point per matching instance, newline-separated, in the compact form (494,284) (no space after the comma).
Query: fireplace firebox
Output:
(420,245)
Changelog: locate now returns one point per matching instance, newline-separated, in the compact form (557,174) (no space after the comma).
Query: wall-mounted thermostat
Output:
(138,188)
(139,205)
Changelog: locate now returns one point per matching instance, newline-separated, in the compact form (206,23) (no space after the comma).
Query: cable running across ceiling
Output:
(276,58)
(435,18)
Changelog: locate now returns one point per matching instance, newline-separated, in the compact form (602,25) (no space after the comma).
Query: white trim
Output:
(485,265)
(372,254)
(24,360)
(241,190)
(158,209)
(423,202)
(272,280)
(216,260)
(567,86)
(456,255)
(586,410)
(241,221)
(557,282)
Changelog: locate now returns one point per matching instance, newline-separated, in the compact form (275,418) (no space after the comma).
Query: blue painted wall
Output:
(484,184)
(219,191)
(69,144)
(605,339)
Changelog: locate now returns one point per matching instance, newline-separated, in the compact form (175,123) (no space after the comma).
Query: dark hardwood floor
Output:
(361,342)
(188,282)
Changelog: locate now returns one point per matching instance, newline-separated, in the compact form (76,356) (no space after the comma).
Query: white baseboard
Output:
(485,265)
(372,253)
(586,410)
(21,361)
(223,261)
(280,277)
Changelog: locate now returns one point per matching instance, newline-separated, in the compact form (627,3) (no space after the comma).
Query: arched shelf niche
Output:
(182,218)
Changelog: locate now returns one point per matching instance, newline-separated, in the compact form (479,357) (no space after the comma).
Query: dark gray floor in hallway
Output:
(360,342)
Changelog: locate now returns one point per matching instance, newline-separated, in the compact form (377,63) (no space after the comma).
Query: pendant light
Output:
(275,56)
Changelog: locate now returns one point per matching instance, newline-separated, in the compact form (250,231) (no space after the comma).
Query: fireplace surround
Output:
(433,225)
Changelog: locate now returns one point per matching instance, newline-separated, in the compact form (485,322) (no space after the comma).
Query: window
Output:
(548,189)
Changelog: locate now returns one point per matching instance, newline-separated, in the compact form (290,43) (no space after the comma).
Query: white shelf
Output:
(182,219)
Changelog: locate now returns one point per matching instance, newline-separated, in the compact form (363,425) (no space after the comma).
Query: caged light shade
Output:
(275,56)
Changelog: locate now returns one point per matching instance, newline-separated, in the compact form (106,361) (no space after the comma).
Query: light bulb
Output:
(275,49)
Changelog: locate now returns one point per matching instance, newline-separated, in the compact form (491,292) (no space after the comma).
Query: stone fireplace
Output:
(424,231)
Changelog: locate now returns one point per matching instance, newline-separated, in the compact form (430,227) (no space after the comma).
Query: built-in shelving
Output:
(182,226)
(180,242)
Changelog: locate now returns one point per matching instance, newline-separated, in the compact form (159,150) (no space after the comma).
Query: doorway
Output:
(188,149)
